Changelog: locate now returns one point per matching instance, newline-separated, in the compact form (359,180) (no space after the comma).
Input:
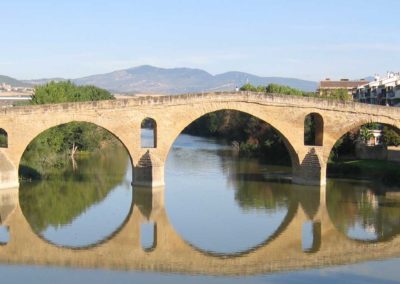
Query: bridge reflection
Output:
(170,253)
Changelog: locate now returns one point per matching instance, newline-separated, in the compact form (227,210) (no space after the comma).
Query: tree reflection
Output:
(257,186)
(353,205)
(59,200)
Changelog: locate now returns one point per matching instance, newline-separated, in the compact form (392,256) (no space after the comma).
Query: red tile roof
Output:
(328,84)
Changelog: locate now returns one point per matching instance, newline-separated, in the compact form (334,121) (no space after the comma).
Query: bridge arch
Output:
(281,131)
(357,124)
(35,135)
(3,138)
(293,206)
(150,124)
(126,218)
(313,129)
(335,136)
(384,121)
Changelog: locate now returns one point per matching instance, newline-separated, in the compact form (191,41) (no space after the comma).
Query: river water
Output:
(215,207)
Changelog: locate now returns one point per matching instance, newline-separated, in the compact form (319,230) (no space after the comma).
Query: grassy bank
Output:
(385,171)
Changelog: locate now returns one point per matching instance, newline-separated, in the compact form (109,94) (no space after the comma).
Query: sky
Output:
(307,39)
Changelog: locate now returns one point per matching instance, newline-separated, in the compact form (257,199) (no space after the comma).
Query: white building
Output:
(382,91)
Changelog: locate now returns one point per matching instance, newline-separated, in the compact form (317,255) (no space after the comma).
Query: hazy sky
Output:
(308,39)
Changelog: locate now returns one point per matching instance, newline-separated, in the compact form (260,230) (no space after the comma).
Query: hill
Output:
(149,79)
(13,82)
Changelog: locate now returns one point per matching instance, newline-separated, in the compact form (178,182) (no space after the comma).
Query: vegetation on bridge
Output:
(61,92)
(276,89)
(339,94)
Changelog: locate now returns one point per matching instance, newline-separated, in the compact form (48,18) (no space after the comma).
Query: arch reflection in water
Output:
(311,236)
(171,254)
(226,206)
(364,211)
(82,206)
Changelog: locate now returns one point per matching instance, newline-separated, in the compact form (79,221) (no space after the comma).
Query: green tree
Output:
(390,137)
(338,94)
(365,134)
(285,90)
(252,88)
(61,92)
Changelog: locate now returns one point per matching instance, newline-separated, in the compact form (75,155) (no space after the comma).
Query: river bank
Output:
(384,171)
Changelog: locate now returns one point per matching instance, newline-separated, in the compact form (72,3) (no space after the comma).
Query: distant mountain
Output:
(149,79)
(43,81)
(240,78)
(13,82)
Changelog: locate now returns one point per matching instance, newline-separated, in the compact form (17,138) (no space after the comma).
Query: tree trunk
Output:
(73,151)
(74,164)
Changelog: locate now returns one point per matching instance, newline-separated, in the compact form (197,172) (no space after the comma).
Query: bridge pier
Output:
(149,200)
(149,172)
(8,173)
(9,199)
(8,179)
(312,170)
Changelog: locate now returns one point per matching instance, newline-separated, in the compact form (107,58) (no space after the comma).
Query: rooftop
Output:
(341,84)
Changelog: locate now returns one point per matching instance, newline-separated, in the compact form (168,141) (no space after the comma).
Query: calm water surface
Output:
(218,204)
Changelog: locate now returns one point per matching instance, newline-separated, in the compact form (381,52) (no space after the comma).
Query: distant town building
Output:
(11,95)
(382,91)
(8,88)
(326,86)
(5,87)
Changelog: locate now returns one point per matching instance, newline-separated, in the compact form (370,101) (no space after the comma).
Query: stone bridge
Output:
(172,114)
(170,253)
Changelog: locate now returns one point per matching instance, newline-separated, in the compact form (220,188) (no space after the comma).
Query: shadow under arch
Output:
(124,220)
